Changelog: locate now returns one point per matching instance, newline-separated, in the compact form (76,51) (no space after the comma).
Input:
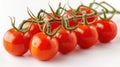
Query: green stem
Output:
(39,25)
(101,6)
(72,14)
(114,10)
(65,24)
(47,30)
(78,8)
(52,9)
(24,21)
(117,12)
(31,14)
(85,18)
(39,15)
(105,13)
(96,13)
(48,27)
(47,14)
(20,30)
(58,9)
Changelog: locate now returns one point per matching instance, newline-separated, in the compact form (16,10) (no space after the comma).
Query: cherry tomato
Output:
(107,30)
(54,24)
(67,41)
(74,22)
(15,42)
(89,11)
(43,47)
(33,30)
(87,36)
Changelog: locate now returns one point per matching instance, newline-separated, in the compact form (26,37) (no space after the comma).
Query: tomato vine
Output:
(45,34)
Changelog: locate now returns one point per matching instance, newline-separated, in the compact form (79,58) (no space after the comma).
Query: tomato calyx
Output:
(63,29)
(77,13)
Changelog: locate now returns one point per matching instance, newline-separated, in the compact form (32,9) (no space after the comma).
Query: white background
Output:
(101,55)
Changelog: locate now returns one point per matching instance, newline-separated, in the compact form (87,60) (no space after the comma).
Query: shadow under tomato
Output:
(28,54)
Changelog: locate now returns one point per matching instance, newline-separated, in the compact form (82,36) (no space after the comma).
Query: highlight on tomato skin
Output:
(107,30)
(61,31)
(87,36)
(15,42)
(33,30)
(67,41)
(43,47)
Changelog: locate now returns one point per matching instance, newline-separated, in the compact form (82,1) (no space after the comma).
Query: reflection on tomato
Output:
(43,47)
(107,30)
(87,36)
(15,42)
(67,41)
(33,30)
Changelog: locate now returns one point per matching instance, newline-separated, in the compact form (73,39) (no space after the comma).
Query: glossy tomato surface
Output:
(43,47)
(87,36)
(15,42)
(67,41)
(107,30)
(33,30)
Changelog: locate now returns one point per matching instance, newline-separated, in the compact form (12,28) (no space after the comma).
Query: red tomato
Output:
(43,47)
(15,42)
(67,41)
(89,11)
(33,30)
(87,36)
(72,22)
(54,24)
(82,9)
(107,30)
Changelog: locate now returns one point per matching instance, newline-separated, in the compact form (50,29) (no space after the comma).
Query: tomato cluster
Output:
(60,31)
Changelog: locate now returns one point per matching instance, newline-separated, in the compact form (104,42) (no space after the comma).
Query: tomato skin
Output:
(54,24)
(74,22)
(33,30)
(107,30)
(43,47)
(89,11)
(87,36)
(15,42)
(67,41)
